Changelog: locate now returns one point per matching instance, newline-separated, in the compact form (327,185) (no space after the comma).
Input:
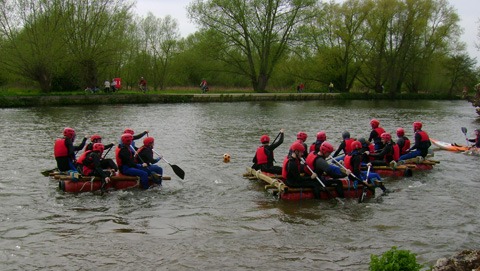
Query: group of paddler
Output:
(309,167)
(129,160)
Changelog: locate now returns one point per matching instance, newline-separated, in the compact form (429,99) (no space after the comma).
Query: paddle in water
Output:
(464,131)
(325,187)
(180,173)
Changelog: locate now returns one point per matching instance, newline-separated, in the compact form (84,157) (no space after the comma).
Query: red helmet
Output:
(127,139)
(374,123)
(400,132)
(417,126)
(326,147)
(264,139)
(302,136)
(69,133)
(129,131)
(386,136)
(96,138)
(148,141)
(321,136)
(297,146)
(356,145)
(98,147)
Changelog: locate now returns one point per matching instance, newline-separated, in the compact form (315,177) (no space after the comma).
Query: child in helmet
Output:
(264,158)
(321,137)
(135,137)
(145,155)
(389,153)
(403,142)
(105,163)
(345,146)
(375,134)
(64,150)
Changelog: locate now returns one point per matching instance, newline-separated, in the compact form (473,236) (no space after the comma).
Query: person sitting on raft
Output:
(291,171)
(375,134)
(390,153)
(302,138)
(64,150)
(145,155)
(403,142)
(124,154)
(264,158)
(420,148)
(321,137)
(318,163)
(105,163)
(345,146)
(353,162)
(92,163)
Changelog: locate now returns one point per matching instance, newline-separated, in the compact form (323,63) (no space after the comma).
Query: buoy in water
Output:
(226,158)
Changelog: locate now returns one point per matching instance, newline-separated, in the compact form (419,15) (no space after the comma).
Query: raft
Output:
(449,146)
(82,184)
(275,185)
(399,171)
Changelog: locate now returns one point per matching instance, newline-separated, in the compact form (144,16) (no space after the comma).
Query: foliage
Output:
(394,260)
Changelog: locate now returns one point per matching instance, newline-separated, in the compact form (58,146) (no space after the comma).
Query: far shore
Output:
(118,98)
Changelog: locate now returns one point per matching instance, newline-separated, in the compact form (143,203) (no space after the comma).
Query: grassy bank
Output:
(15,98)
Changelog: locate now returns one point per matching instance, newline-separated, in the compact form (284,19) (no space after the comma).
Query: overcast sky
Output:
(467,9)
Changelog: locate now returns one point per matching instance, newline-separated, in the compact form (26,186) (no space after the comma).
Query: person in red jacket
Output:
(92,165)
(264,158)
(345,146)
(403,142)
(291,171)
(321,137)
(389,153)
(64,150)
(124,155)
(106,163)
(422,143)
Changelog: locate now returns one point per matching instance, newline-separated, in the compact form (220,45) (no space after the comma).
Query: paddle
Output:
(46,173)
(320,181)
(364,191)
(464,131)
(180,173)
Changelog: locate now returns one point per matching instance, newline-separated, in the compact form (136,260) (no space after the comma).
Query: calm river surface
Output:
(215,219)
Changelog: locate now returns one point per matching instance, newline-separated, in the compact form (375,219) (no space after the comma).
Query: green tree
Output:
(94,31)
(32,47)
(161,38)
(254,34)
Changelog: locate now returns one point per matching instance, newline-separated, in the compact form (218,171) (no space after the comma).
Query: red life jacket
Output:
(262,158)
(82,157)
(396,152)
(136,157)
(86,169)
(347,161)
(424,136)
(348,145)
(310,161)
(312,147)
(379,131)
(60,149)
(406,146)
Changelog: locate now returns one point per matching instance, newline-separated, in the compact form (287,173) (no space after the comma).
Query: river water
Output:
(215,219)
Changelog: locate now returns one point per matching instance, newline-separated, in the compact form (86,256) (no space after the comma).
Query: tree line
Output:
(383,46)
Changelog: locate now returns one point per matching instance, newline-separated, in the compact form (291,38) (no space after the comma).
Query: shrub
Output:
(394,260)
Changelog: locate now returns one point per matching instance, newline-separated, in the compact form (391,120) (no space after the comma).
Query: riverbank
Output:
(100,99)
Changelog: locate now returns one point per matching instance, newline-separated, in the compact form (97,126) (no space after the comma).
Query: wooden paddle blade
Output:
(46,173)
(180,173)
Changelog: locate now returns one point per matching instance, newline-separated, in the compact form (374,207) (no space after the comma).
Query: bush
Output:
(394,260)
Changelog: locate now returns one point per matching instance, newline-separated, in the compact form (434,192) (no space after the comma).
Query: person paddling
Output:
(92,165)
(345,146)
(124,154)
(145,155)
(64,150)
(475,140)
(403,142)
(302,138)
(390,153)
(318,163)
(291,171)
(264,158)
(105,163)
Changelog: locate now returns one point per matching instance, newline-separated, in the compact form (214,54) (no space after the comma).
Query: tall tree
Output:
(161,38)
(94,34)
(254,34)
